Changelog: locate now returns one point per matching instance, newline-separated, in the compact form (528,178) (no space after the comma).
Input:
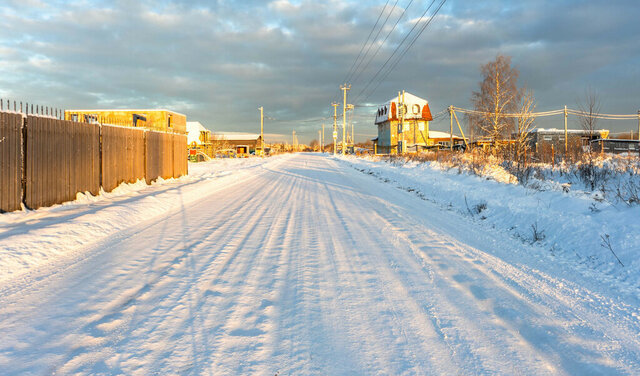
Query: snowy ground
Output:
(299,264)
(570,221)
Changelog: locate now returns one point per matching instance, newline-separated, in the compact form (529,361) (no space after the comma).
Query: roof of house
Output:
(616,140)
(571,131)
(417,108)
(193,131)
(439,134)
(125,110)
(236,136)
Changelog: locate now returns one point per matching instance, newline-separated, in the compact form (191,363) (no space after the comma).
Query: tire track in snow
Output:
(173,244)
(310,269)
(398,303)
(537,334)
(230,356)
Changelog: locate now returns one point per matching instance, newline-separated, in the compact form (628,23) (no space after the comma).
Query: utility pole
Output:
(450,128)
(401,109)
(399,127)
(344,89)
(566,148)
(335,126)
(322,150)
(262,131)
(404,144)
(293,142)
(319,140)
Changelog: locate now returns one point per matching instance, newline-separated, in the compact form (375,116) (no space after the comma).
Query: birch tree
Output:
(498,95)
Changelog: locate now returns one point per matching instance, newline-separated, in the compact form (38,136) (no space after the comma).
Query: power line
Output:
(383,42)
(367,40)
(552,113)
(602,116)
(394,51)
(349,75)
(415,38)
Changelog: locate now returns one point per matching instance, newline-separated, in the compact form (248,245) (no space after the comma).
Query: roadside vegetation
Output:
(504,116)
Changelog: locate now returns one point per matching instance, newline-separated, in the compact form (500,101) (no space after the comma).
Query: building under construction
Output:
(403,126)
(153,119)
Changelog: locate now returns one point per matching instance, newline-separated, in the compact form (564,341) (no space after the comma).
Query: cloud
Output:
(218,61)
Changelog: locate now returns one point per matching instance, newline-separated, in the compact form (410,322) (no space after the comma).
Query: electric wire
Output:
(394,52)
(383,42)
(350,73)
(351,70)
(553,113)
(408,47)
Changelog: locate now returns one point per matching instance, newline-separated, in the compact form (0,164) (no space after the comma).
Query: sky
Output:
(219,61)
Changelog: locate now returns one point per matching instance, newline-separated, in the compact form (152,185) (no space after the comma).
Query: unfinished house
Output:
(414,133)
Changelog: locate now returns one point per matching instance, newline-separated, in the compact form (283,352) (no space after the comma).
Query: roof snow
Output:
(414,106)
(236,136)
(193,131)
(439,134)
(561,131)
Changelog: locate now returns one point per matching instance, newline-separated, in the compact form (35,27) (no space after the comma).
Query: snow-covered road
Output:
(307,266)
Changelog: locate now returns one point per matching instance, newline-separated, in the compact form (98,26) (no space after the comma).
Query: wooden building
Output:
(244,144)
(154,119)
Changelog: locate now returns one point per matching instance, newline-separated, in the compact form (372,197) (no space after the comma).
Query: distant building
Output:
(244,144)
(416,134)
(197,134)
(199,141)
(555,137)
(154,119)
(615,146)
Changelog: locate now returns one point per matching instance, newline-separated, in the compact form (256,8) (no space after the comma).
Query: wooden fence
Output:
(166,155)
(62,159)
(46,161)
(123,156)
(10,161)
(180,162)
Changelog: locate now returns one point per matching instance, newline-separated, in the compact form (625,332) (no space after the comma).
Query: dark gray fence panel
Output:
(62,160)
(10,161)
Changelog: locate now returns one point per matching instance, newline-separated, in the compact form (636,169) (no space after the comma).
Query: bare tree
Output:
(314,144)
(218,143)
(589,105)
(498,95)
(525,124)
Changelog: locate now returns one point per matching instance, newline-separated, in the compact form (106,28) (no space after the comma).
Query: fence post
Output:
(23,176)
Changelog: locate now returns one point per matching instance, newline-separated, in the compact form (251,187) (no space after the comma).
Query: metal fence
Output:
(46,161)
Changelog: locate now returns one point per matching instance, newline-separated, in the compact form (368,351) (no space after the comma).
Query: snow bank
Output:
(567,227)
(30,239)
